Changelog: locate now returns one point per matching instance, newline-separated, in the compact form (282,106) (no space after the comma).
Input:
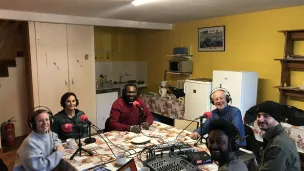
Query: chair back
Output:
(107,125)
(183,123)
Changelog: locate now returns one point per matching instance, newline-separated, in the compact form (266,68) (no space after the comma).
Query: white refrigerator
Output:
(242,87)
(196,98)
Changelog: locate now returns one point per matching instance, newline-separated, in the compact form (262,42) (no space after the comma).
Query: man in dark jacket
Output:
(280,152)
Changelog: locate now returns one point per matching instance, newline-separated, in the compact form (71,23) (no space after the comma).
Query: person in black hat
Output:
(280,152)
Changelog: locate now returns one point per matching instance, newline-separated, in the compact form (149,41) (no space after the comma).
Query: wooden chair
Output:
(183,123)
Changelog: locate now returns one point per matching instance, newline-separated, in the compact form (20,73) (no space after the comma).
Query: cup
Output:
(71,143)
(121,159)
(144,169)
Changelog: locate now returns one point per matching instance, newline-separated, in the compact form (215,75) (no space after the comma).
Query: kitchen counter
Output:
(115,87)
(108,90)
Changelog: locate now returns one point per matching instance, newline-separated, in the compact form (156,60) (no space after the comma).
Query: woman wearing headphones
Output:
(41,149)
(66,120)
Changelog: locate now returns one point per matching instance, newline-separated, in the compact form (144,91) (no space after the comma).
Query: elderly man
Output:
(220,98)
(280,152)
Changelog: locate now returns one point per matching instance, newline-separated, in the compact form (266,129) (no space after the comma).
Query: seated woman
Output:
(41,149)
(66,120)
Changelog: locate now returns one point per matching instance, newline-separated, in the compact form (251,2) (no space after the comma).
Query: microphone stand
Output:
(140,115)
(200,139)
(80,147)
(90,139)
(201,123)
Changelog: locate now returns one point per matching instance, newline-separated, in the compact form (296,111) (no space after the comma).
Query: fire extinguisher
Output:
(8,132)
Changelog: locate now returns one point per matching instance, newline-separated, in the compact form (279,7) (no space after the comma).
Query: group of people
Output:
(43,150)
(225,128)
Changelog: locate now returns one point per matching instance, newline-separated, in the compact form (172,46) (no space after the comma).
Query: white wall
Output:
(131,70)
(13,98)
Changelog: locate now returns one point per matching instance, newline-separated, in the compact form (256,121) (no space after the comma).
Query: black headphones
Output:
(66,96)
(36,111)
(233,146)
(124,89)
(227,94)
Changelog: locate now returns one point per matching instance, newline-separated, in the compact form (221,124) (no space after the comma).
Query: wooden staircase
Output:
(4,67)
(12,44)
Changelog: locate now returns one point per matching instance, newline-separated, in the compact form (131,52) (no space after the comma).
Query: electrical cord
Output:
(105,142)
(185,128)
(150,136)
(127,151)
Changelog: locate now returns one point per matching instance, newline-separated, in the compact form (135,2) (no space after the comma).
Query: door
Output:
(104,103)
(82,67)
(52,64)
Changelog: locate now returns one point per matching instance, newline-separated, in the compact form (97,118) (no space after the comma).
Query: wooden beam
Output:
(68,19)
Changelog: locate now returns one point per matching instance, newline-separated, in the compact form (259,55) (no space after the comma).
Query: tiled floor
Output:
(8,154)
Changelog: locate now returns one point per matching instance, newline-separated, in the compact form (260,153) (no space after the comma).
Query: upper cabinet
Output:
(62,60)
(116,44)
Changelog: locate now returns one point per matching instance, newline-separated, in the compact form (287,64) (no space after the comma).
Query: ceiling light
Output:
(140,2)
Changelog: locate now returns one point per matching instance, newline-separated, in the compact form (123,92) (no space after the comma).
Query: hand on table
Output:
(135,128)
(145,125)
(194,136)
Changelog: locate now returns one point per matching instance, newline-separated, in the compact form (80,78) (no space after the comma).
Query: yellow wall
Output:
(115,44)
(252,44)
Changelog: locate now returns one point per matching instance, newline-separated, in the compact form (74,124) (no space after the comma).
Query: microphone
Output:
(70,127)
(140,115)
(206,115)
(136,104)
(84,118)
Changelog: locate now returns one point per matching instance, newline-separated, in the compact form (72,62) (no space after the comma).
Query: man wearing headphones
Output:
(41,149)
(220,98)
(129,111)
(221,142)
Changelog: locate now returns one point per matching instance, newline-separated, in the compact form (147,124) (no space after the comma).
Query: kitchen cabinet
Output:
(104,103)
(62,60)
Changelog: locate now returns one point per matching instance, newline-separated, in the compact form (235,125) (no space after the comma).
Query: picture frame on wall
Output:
(211,39)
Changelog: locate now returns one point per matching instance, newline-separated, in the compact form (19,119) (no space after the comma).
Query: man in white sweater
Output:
(42,149)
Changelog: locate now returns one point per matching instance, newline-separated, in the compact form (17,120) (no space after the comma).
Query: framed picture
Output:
(211,39)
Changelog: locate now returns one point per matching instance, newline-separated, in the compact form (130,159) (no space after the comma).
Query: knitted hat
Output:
(271,108)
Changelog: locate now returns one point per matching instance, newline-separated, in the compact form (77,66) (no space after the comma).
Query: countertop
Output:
(107,90)
(115,88)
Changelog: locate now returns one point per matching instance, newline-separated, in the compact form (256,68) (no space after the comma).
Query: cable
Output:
(106,143)
(95,127)
(186,128)
(154,137)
